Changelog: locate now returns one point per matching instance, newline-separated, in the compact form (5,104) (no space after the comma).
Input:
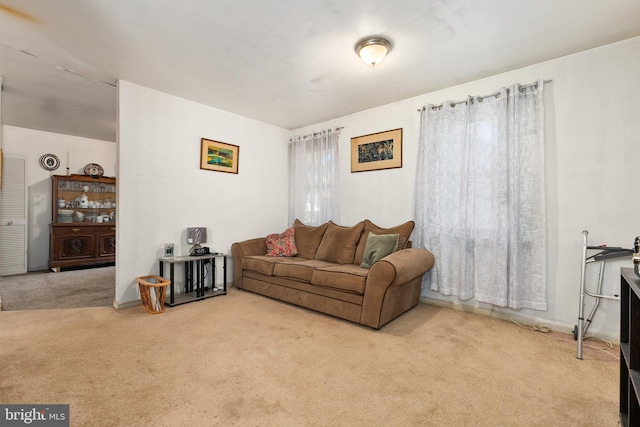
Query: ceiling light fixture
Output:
(373,49)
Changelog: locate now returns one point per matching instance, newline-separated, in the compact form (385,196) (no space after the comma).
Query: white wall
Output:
(162,190)
(592,158)
(33,144)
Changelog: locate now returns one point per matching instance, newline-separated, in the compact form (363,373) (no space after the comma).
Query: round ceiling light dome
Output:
(372,50)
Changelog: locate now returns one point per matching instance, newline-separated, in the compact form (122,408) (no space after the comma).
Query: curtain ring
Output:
(453,104)
(497,95)
(480,99)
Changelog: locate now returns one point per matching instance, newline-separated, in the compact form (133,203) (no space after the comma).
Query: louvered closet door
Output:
(13,216)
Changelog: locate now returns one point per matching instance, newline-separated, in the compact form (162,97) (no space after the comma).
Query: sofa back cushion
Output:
(404,230)
(339,243)
(308,238)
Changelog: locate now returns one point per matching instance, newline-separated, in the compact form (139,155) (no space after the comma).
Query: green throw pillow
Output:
(378,247)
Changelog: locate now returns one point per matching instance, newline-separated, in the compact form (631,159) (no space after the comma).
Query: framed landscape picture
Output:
(377,151)
(219,156)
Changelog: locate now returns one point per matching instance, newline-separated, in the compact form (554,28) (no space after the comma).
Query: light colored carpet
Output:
(93,287)
(245,360)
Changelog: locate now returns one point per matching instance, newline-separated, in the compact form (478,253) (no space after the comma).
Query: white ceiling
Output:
(286,62)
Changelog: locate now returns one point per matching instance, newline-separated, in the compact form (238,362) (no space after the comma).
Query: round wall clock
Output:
(93,169)
(49,162)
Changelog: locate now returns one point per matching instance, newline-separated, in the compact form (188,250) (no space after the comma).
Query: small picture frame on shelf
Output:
(168,249)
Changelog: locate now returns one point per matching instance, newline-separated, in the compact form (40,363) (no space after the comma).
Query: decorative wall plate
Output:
(93,169)
(49,162)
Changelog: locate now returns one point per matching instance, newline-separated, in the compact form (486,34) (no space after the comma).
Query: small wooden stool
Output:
(153,290)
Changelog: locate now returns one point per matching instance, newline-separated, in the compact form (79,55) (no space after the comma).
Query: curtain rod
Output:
(309,135)
(496,94)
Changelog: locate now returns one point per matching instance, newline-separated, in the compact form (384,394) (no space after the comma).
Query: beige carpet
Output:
(93,287)
(245,360)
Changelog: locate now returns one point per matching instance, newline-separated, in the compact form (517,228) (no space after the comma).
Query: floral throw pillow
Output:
(283,244)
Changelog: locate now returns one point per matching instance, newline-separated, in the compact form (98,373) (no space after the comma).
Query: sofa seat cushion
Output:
(346,277)
(264,264)
(269,285)
(298,269)
(339,243)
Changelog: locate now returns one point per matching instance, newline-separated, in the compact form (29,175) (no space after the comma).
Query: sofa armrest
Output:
(240,250)
(401,268)
(409,264)
(257,246)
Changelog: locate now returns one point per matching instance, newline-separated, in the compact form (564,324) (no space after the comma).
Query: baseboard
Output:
(136,302)
(122,305)
(514,317)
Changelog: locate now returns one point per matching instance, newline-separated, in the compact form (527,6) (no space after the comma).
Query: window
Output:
(480,197)
(314,196)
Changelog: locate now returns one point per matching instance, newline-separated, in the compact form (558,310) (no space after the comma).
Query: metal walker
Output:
(605,253)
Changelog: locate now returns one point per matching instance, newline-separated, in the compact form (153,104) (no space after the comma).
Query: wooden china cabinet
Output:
(83,230)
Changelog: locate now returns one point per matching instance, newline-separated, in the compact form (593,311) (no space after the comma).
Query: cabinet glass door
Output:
(84,201)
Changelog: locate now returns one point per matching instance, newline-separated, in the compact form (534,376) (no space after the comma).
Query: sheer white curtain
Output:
(480,197)
(314,180)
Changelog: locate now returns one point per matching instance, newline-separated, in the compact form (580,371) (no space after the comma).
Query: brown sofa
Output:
(326,274)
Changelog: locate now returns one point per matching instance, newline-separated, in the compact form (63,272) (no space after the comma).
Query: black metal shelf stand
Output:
(196,286)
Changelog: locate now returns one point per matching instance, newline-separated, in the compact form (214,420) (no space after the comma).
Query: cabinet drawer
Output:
(74,231)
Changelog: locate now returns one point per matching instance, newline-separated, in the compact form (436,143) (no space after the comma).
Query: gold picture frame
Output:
(377,151)
(219,156)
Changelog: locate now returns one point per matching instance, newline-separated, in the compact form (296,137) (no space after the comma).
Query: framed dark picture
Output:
(219,156)
(377,151)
